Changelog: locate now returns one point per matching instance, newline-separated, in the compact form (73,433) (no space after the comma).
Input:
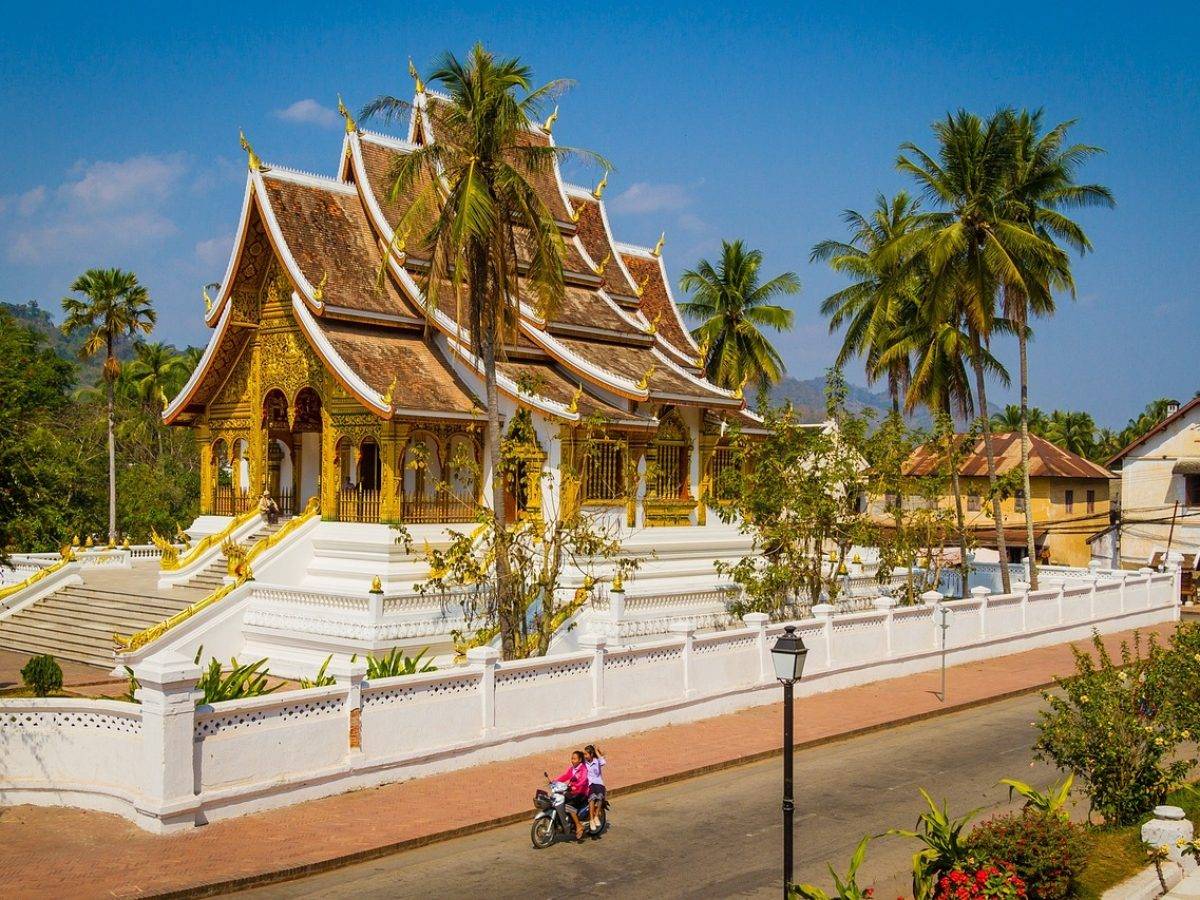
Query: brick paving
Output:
(72,853)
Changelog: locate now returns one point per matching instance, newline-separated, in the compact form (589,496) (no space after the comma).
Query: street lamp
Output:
(788,658)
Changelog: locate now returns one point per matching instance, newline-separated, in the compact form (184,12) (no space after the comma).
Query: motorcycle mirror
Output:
(545,774)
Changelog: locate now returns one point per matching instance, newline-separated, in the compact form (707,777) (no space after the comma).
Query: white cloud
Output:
(215,251)
(308,112)
(642,197)
(103,207)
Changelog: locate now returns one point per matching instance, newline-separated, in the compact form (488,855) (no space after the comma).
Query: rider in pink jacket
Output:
(576,778)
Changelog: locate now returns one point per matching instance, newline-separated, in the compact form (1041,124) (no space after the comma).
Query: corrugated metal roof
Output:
(1046,460)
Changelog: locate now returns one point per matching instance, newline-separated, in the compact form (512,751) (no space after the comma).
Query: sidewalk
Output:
(72,853)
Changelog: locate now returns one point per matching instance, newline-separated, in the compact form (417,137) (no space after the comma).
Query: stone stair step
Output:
(83,621)
(128,601)
(67,640)
(36,648)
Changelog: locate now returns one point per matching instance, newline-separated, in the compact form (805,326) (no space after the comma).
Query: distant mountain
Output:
(33,316)
(808,399)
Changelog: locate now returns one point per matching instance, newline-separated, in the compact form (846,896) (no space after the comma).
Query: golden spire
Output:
(652,328)
(657,251)
(376,585)
(616,582)
(252,160)
(604,264)
(412,70)
(641,288)
(351,125)
(644,384)
(389,395)
(599,191)
(207,301)
(319,290)
(548,125)
(573,406)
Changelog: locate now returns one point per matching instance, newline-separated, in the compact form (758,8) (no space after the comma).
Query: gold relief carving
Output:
(288,364)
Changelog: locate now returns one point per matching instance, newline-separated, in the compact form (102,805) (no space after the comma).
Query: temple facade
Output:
(331,379)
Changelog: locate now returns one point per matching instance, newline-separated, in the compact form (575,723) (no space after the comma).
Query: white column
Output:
(1022,588)
(933,599)
(167,693)
(1146,572)
(349,677)
(823,613)
(758,621)
(596,643)
(981,594)
(887,604)
(687,631)
(487,658)
(616,614)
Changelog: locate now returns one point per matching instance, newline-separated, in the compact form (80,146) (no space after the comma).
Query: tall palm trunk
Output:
(997,512)
(962,528)
(1030,545)
(112,462)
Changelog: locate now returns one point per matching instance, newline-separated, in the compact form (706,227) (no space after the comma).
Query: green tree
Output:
(482,224)
(1073,431)
(733,307)
(155,373)
(881,296)
(1041,186)
(972,246)
(115,306)
(1009,419)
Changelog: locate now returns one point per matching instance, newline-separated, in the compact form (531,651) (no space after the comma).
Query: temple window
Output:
(722,462)
(603,474)
(672,459)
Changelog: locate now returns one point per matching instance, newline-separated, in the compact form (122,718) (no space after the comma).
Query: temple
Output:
(331,380)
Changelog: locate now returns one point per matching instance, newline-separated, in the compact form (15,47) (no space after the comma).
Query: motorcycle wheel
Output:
(542,833)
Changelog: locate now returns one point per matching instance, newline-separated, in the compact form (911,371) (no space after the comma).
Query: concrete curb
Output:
(336,862)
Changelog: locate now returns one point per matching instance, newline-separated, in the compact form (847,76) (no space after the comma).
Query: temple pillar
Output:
(208,473)
(636,481)
(331,478)
(707,445)
(392,439)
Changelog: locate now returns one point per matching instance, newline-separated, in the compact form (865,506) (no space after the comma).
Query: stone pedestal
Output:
(1168,827)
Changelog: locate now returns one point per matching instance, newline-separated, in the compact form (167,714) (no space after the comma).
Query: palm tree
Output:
(156,372)
(733,307)
(484,227)
(1073,431)
(1041,185)
(940,354)
(116,306)
(873,305)
(973,246)
(1009,419)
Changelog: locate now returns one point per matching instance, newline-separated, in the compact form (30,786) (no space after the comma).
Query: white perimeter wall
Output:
(167,764)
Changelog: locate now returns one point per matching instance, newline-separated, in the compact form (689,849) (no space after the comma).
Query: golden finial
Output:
(387,397)
(599,191)
(573,406)
(412,71)
(252,160)
(90,542)
(617,585)
(604,264)
(376,585)
(351,125)
(740,393)
(657,251)
(644,384)
(207,301)
(125,543)
(641,288)
(548,125)
(319,290)
(652,328)
(702,356)
(75,541)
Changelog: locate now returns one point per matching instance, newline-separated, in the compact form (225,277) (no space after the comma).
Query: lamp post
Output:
(788,658)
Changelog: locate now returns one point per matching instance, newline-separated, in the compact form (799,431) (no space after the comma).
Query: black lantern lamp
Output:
(788,657)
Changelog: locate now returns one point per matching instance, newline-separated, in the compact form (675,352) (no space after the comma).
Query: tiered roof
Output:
(616,346)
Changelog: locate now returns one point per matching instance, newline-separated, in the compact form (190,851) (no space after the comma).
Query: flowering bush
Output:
(1046,850)
(1115,726)
(988,880)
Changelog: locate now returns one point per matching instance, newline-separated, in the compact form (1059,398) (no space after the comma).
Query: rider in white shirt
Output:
(595,769)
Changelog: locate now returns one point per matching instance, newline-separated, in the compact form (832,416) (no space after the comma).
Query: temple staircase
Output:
(77,622)
(212,576)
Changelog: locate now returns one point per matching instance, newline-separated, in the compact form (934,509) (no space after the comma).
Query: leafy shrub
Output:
(1114,727)
(1051,800)
(1047,851)
(42,674)
(844,888)
(944,846)
(321,679)
(248,680)
(396,663)
(991,880)
(130,695)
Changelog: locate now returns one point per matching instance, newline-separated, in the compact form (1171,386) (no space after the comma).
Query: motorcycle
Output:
(552,818)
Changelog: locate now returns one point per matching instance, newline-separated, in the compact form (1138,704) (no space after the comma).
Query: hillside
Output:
(808,399)
(33,316)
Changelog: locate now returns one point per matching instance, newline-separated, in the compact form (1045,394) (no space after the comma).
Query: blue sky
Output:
(761,122)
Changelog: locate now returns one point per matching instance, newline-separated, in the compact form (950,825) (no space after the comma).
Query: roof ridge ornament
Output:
(641,288)
(577,212)
(388,396)
(319,290)
(644,384)
(548,125)
(573,406)
(599,190)
(603,264)
(416,77)
(255,164)
(208,303)
(657,251)
(351,125)
(652,328)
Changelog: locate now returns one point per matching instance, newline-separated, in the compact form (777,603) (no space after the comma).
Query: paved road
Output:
(719,835)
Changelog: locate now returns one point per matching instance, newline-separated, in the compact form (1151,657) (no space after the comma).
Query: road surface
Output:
(720,835)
